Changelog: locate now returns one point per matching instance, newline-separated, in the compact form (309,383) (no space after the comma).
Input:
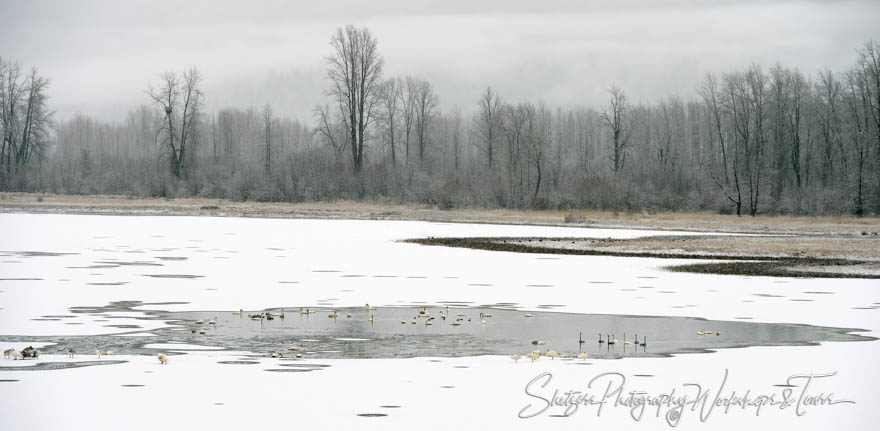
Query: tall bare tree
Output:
(616,119)
(488,123)
(268,123)
(457,133)
(710,94)
(390,113)
(537,140)
(408,110)
(426,102)
(355,70)
(180,98)
(24,118)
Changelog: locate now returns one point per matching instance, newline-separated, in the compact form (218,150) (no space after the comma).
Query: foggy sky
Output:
(101,55)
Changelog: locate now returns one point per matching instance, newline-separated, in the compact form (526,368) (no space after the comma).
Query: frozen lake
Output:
(138,285)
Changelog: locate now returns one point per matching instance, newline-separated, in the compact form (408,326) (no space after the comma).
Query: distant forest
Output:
(755,141)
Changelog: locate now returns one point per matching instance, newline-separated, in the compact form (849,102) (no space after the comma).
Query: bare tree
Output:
(408,106)
(456,125)
(800,91)
(328,130)
(709,93)
(355,70)
(390,112)
(857,101)
(756,82)
(828,101)
(24,118)
(180,98)
(738,106)
(537,139)
(615,118)
(488,123)
(426,102)
(268,121)
(11,94)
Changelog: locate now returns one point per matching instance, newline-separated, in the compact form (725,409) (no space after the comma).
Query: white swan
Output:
(163,358)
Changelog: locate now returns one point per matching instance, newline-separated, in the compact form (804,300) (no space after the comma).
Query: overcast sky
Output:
(101,55)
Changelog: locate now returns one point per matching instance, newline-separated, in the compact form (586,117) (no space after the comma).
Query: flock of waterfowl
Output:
(610,339)
(423,315)
(458,319)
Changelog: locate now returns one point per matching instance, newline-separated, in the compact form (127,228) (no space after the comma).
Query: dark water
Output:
(506,332)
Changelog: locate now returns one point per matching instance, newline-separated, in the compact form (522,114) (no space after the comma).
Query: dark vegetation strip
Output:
(741,265)
(778,268)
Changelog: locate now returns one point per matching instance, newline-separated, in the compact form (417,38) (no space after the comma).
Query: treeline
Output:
(754,141)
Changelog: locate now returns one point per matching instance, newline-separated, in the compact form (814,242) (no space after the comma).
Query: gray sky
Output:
(101,55)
